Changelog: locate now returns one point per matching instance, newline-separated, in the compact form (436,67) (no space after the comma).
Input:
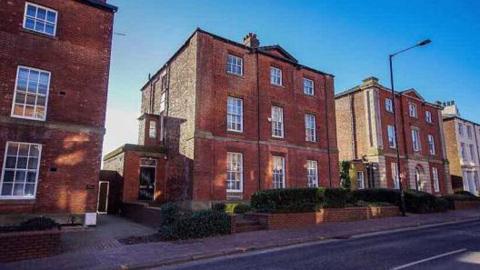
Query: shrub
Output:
(288,200)
(197,225)
(390,196)
(220,207)
(335,197)
(38,224)
(345,174)
(241,208)
(423,202)
(169,213)
(466,194)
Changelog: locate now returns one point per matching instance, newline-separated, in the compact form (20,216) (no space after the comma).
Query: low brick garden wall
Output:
(461,205)
(15,246)
(275,221)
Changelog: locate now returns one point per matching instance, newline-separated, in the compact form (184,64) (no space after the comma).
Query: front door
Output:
(146,186)
(102,203)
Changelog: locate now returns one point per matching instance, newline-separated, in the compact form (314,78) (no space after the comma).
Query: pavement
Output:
(446,247)
(150,255)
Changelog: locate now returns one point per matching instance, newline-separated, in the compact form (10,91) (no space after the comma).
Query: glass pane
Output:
(18,109)
(18,190)
(8,176)
(32,163)
(29,111)
(20,176)
(23,150)
(10,162)
(29,189)
(20,98)
(22,162)
(31,10)
(7,189)
(12,149)
(51,16)
(49,28)
(41,14)
(33,81)
(29,23)
(41,101)
(40,26)
(31,100)
(40,113)
(31,176)
(43,83)
(34,150)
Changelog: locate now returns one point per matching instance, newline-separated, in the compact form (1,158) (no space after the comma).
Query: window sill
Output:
(235,132)
(278,138)
(277,85)
(16,200)
(28,118)
(236,75)
(28,31)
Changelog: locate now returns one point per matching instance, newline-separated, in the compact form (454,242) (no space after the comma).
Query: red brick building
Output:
(54,64)
(366,136)
(231,119)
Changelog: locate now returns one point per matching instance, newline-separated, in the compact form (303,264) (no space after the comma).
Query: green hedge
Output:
(423,202)
(288,200)
(335,197)
(384,195)
(241,208)
(459,196)
(197,225)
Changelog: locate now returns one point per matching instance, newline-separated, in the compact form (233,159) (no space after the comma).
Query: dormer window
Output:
(40,19)
(275,76)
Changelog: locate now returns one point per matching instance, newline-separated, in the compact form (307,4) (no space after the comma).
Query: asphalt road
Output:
(449,247)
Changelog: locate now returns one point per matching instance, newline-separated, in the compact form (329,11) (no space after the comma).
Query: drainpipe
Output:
(327,129)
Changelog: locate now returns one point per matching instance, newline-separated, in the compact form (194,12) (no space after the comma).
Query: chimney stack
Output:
(251,40)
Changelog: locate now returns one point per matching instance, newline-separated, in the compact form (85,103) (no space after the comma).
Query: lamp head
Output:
(425,42)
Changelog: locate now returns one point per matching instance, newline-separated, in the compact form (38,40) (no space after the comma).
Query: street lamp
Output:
(390,58)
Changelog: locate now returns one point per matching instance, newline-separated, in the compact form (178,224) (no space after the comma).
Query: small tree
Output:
(345,174)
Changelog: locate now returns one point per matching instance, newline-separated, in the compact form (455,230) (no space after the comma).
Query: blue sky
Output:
(350,39)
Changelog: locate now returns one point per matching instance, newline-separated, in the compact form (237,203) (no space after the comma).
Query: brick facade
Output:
(362,121)
(195,86)
(71,136)
(16,246)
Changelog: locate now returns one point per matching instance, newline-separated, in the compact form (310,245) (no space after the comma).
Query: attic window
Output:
(275,76)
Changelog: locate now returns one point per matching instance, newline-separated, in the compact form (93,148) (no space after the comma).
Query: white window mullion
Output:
(312,173)
(234,114)
(234,172)
(278,174)
(277,122)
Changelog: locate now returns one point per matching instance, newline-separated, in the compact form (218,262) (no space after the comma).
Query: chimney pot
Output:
(250,40)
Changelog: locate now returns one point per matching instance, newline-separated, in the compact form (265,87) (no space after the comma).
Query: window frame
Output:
(412,110)
(37,170)
(469,132)
(417,147)
(26,92)
(310,132)
(152,129)
(391,131)
(460,129)
(233,114)
(428,117)
(389,105)
(274,182)
(272,79)
(24,23)
(395,175)
(363,179)
(281,122)
(306,87)
(472,152)
(229,169)
(229,55)
(463,151)
(431,144)
(436,183)
(312,173)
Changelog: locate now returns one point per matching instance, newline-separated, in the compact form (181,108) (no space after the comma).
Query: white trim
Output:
(46,14)
(98,197)
(4,197)
(362,178)
(313,137)
(241,65)
(280,120)
(272,81)
(284,172)
(315,176)
(234,99)
(26,92)
(313,87)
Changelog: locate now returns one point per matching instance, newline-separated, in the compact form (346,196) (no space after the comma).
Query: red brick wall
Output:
(215,85)
(17,246)
(299,220)
(72,135)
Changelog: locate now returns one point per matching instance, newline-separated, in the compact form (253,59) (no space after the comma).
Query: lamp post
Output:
(390,58)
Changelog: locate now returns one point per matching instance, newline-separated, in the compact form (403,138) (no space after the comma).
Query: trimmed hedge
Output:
(197,225)
(459,196)
(288,200)
(241,208)
(33,224)
(311,199)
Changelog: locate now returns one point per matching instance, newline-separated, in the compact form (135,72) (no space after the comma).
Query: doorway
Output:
(102,204)
(146,186)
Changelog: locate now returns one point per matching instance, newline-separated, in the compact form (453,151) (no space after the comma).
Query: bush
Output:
(197,225)
(169,212)
(423,202)
(466,194)
(219,207)
(390,196)
(335,197)
(288,200)
(241,208)
(38,224)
